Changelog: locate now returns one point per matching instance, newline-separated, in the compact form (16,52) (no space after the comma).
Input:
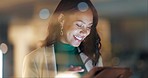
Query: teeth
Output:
(79,38)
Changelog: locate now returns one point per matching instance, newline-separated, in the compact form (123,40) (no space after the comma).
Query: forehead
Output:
(84,16)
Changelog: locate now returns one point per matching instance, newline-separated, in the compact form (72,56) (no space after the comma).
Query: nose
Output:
(84,31)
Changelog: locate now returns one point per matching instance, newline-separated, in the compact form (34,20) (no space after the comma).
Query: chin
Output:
(75,44)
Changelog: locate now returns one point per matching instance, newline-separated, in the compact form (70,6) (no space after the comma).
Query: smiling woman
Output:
(76,28)
(72,43)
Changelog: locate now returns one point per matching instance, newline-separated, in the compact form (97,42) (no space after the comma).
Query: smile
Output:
(79,38)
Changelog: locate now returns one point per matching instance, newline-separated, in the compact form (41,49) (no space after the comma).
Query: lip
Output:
(80,39)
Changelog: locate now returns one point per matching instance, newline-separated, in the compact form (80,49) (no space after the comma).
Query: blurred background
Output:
(123,27)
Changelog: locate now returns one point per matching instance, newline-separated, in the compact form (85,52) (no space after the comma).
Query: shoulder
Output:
(33,62)
(38,53)
(34,55)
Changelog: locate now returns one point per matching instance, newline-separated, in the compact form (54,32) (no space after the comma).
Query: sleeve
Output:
(29,68)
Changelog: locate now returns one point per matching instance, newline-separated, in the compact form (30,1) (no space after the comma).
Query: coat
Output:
(42,63)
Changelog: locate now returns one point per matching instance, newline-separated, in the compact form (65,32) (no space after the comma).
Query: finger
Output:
(78,68)
(76,71)
(71,66)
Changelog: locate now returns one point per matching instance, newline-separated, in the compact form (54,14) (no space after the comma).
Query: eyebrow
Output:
(84,22)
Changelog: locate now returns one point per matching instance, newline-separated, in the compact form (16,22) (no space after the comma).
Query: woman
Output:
(72,43)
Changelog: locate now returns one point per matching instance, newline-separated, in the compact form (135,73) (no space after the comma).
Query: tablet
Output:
(113,72)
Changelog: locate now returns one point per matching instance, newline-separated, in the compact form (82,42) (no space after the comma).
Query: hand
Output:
(76,69)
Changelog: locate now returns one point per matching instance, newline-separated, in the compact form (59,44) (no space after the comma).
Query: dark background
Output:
(128,22)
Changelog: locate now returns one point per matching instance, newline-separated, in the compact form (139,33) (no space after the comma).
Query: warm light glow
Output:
(68,75)
(1,64)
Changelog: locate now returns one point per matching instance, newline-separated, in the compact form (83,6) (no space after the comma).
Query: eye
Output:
(89,27)
(79,25)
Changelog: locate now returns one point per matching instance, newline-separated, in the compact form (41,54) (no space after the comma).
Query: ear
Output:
(61,19)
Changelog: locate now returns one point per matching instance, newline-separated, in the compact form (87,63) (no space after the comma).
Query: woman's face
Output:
(77,27)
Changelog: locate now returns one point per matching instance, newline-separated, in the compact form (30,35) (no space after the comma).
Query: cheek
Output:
(88,32)
(73,30)
(70,33)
